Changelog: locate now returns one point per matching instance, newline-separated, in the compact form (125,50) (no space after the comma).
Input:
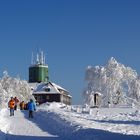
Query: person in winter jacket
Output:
(31,108)
(22,105)
(11,105)
(16,102)
(26,106)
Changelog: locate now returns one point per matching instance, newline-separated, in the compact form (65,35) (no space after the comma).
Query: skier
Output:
(31,108)
(11,105)
(16,102)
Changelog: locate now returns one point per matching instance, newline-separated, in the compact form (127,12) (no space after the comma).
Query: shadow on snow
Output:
(119,122)
(53,124)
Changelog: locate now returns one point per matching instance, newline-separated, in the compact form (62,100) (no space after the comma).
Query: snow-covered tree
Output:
(13,87)
(117,83)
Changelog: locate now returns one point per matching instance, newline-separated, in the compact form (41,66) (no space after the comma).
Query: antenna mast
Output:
(41,58)
(32,59)
(37,58)
(44,59)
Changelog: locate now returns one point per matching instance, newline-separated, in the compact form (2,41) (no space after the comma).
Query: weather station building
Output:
(43,89)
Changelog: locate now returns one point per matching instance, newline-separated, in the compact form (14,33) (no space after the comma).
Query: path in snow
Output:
(50,126)
(21,127)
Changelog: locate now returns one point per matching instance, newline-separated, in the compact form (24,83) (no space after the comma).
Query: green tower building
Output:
(38,71)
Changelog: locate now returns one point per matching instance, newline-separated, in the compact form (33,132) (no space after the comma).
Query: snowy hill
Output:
(59,122)
(119,85)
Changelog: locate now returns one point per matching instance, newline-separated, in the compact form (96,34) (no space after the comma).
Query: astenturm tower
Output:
(38,71)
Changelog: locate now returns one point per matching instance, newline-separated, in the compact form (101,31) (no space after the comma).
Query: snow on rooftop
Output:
(53,88)
(59,87)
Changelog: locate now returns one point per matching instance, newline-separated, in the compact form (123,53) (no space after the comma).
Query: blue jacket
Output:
(31,106)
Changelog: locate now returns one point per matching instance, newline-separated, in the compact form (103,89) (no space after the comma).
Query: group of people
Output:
(13,102)
(23,105)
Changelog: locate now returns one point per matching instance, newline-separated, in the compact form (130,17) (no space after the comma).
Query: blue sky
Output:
(72,33)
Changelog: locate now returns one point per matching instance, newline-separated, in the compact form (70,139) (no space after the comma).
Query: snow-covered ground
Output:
(59,122)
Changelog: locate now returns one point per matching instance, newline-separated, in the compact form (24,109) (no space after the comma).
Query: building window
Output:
(39,97)
(47,97)
(47,89)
